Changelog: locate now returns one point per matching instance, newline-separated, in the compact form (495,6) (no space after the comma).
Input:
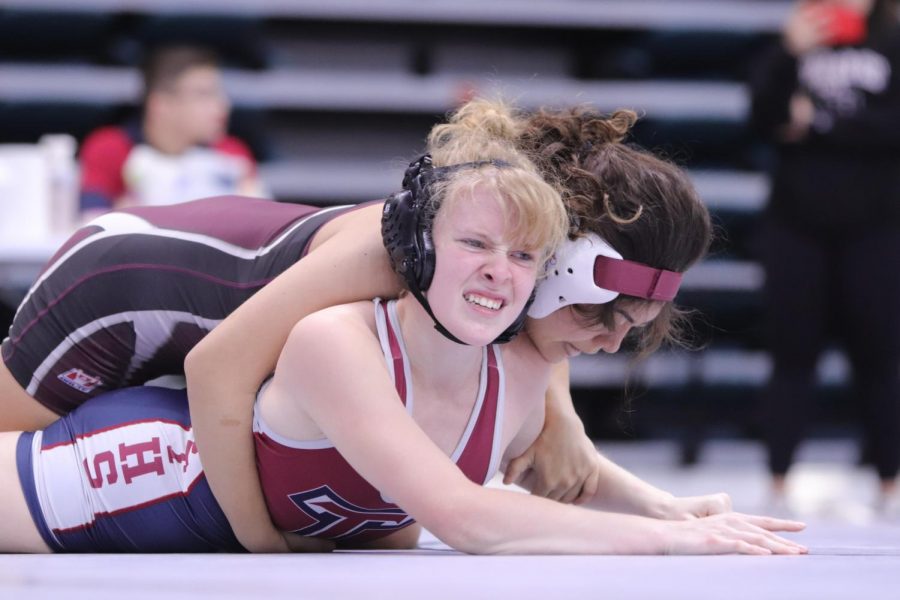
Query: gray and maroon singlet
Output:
(128,295)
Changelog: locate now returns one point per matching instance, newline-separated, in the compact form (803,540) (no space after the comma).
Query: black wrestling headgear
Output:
(406,229)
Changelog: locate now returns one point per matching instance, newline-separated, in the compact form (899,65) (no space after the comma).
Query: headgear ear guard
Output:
(590,271)
(406,232)
(405,229)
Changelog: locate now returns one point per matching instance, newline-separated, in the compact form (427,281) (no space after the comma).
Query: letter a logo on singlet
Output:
(80,380)
(342,519)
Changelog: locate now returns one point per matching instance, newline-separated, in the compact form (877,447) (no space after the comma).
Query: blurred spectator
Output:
(178,150)
(829,96)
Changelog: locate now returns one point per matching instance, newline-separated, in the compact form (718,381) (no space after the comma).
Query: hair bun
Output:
(492,118)
(611,129)
(479,130)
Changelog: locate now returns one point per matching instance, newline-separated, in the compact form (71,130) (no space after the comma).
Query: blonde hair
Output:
(483,130)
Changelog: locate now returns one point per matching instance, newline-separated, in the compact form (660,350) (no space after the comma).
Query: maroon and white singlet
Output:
(311,490)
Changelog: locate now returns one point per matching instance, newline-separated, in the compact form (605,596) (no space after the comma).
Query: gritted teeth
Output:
(482,301)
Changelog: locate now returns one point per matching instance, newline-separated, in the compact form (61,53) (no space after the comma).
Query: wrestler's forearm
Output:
(224,371)
(566,425)
(562,459)
(621,491)
(616,488)
(559,396)
(223,423)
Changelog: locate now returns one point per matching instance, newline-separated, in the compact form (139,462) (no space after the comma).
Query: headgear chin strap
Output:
(589,271)
(406,233)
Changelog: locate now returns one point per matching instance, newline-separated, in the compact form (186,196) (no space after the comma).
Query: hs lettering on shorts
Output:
(131,461)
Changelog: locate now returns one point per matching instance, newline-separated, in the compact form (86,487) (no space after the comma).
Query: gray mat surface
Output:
(853,555)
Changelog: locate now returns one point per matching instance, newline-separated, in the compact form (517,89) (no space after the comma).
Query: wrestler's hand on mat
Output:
(561,464)
(732,533)
(301,543)
(692,507)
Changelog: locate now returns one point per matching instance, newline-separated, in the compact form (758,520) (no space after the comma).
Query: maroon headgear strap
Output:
(635,279)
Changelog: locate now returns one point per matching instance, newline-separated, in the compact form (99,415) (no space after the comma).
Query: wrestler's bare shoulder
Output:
(353,316)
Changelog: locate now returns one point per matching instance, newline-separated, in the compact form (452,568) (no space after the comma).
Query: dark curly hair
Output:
(644,206)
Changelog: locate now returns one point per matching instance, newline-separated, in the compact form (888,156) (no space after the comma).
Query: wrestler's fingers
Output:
(589,489)
(517,467)
(775,544)
(772,538)
(745,547)
(571,494)
(772,523)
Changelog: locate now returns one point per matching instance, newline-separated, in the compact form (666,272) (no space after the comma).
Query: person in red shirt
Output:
(179,150)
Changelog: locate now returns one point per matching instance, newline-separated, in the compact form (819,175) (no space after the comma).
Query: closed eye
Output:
(625,315)
(473,243)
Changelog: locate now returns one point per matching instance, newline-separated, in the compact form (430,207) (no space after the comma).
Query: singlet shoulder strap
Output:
(478,453)
(395,356)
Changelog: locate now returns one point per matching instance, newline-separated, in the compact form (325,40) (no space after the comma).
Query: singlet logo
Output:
(331,512)
(80,380)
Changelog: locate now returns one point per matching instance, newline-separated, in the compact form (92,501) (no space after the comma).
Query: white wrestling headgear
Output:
(589,271)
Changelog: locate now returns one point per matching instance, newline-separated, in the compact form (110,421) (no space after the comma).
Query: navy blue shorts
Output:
(122,474)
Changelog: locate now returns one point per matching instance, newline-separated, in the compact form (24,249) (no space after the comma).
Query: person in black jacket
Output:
(828,95)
